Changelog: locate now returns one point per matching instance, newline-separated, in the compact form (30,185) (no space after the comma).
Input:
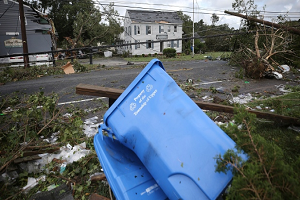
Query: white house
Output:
(149,26)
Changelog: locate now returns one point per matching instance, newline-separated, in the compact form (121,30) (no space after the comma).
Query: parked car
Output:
(43,57)
(19,59)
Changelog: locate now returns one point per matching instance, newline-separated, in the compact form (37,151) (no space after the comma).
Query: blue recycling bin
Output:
(127,176)
(173,138)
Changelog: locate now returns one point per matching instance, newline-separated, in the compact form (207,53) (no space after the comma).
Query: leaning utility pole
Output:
(24,37)
(284,27)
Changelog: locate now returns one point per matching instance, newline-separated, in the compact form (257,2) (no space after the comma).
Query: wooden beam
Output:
(94,90)
(95,196)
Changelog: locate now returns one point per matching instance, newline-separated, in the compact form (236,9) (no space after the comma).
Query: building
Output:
(37,30)
(150,26)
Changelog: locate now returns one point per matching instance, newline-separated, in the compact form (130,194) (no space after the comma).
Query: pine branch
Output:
(255,149)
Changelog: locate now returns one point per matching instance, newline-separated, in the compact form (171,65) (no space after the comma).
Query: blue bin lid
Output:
(133,84)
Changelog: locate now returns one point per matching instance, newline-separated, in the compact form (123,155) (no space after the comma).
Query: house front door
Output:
(161,47)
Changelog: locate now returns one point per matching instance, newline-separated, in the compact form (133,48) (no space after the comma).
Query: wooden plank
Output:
(95,196)
(93,90)
(98,177)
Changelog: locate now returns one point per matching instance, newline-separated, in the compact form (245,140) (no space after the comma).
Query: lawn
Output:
(182,57)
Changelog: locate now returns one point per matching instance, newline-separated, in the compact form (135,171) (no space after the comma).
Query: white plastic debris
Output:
(51,187)
(277,75)
(241,99)
(90,126)
(68,156)
(53,138)
(285,68)
(294,128)
(207,98)
(281,88)
(258,107)
(68,115)
(31,182)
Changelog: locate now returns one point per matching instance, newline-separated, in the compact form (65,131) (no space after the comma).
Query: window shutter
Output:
(152,44)
(159,29)
(172,44)
(177,43)
(146,30)
(134,29)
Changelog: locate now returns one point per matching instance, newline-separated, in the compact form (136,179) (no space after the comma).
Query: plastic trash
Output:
(173,138)
(284,68)
(31,182)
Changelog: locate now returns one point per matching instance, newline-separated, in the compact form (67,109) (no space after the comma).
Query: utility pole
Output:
(193,33)
(24,37)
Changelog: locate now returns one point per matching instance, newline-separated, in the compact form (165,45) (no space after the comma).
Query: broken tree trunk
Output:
(112,93)
(289,29)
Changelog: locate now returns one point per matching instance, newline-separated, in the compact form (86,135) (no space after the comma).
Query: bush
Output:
(169,52)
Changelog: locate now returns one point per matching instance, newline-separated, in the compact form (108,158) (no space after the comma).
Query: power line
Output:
(10,6)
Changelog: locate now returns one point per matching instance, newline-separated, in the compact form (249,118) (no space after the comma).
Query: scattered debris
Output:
(33,182)
(295,128)
(206,98)
(107,54)
(68,68)
(241,99)
(281,88)
(284,68)
(277,75)
(130,63)
(190,81)
(91,126)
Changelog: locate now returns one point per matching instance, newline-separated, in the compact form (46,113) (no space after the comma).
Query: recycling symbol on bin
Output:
(132,106)
(149,87)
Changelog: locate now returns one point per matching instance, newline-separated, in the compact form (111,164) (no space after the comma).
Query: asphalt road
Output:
(117,74)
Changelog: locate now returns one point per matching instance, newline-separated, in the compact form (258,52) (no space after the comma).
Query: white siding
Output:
(143,37)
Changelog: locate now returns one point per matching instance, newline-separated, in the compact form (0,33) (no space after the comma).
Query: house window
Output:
(137,46)
(137,30)
(169,28)
(24,20)
(161,29)
(175,43)
(169,44)
(149,44)
(175,28)
(129,30)
(148,30)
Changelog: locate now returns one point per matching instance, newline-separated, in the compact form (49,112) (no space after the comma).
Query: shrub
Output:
(169,52)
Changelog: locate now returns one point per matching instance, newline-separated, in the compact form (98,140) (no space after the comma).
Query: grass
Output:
(181,57)
(287,105)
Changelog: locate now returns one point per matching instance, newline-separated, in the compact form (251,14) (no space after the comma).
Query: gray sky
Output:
(203,9)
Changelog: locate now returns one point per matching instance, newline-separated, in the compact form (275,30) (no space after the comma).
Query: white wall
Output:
(142,37)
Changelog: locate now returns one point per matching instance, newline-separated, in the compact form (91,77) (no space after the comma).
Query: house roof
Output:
(140,16)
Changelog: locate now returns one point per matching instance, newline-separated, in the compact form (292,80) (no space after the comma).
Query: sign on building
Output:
(13,43)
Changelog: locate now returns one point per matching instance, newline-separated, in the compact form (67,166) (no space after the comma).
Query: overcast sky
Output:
(203,9)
